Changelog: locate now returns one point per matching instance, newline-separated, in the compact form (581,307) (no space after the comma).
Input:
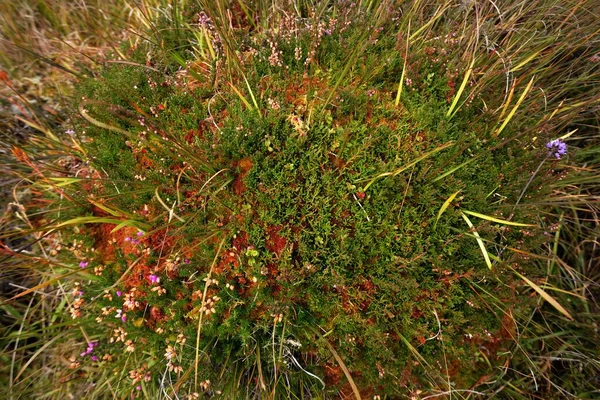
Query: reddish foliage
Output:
(4,77)
(275,243)
(196,133)
(143,160)
(157,316)
(244,165)
(341,290)
(240,242)
(416,313)
(333,374)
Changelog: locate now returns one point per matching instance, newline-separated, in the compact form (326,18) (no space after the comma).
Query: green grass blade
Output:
(493,219)
(484,251)
(545,296)
(452,170)
(407,166)
(401,83)
(514,110)
(462,88)
(445,206)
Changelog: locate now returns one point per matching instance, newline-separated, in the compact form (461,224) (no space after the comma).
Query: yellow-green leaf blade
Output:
(486,256)
(445,206)
(494,219)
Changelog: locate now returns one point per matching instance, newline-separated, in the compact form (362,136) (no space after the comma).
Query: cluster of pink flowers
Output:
(90,350)
(133,240)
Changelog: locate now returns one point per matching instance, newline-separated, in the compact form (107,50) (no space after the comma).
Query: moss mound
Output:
(286,218)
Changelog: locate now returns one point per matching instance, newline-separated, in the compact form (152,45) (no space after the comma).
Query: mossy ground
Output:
(285,224)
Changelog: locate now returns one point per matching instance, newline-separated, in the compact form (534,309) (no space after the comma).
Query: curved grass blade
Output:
(484,251)
(407,166)
(445,206)
(514,110)
(461,89)
(545,295)
(493,219)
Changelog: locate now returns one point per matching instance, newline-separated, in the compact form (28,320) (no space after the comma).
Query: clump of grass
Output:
(315,201)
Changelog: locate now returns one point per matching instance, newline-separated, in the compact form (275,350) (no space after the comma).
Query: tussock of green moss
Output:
(281,212)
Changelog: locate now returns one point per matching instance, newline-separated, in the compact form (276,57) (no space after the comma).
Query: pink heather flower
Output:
(128,239)
(138,388)
(83,354)
(83,264)
(94,358)
(187,261)
(140,233)
(119,293)
(70,132)
(153,278)
(124,318)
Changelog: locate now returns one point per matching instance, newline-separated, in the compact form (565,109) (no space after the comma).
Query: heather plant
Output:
(315,200)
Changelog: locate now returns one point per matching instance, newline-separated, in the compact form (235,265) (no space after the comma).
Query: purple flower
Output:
(153,278)
(83,264)
(83,354)
(187,261)
(94,358)
(70,132)
(138,388)
(124,318)
(140,233)
(556,148)
(119,293)
(128,239)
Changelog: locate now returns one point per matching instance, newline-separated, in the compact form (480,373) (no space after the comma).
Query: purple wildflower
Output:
(119,293)
(556,148)
(128,239)
(153,278)
(94,358)
(83,264)
(124,318)
(187,261)
(138,388)
(140,233)
(70,132)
